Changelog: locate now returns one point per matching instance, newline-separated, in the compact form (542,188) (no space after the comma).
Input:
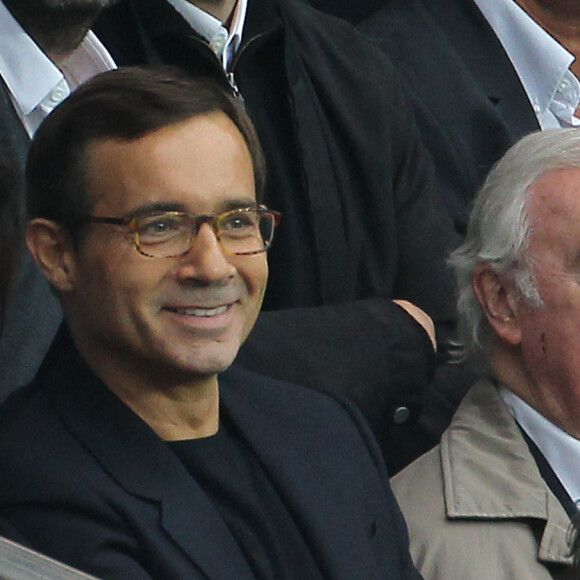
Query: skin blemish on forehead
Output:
(545,205)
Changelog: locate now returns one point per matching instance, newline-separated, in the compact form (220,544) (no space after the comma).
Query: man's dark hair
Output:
(11,237)
(124,104)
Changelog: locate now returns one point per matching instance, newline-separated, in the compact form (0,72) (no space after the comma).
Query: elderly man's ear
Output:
(53,251)
(499,301)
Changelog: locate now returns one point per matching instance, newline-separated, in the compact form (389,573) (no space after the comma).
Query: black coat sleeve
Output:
(369,351)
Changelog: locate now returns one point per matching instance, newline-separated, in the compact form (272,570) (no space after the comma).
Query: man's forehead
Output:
(553,210)
(556,194)
(199,165)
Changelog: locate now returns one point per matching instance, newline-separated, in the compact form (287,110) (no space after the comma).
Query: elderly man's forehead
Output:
(555,194)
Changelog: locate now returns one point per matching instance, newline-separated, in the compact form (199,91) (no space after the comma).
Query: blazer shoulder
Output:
(36,450)
(281,393)
(24,409)
(294,407)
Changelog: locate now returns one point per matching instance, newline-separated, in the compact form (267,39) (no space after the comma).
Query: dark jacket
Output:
(86,481)
(34,313)
(468,99)
(362,223)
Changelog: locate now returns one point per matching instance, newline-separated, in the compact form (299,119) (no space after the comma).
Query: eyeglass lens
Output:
(247,231)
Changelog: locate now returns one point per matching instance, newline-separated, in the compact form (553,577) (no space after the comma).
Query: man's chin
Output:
(205,363)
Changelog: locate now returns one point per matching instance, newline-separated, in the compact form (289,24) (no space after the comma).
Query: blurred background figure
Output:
(46,50)
(11,223)
(11,243)
(483,73)
(353,12)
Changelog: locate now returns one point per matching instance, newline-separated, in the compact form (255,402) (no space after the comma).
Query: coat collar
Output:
(490,474)
(160,25)
(153,32)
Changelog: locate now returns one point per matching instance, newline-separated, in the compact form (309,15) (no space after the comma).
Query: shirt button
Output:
(537,109)
(58,94)
(565,85)
(401,415)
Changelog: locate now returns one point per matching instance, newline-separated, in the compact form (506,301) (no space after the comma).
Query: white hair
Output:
(499,228)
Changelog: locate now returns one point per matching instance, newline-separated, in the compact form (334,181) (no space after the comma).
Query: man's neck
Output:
(561,18)
(560,405)
(57,32)
(220,9)
(175,403)
(187,412)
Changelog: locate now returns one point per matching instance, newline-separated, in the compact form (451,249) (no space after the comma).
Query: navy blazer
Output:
(468,99)
(86,481)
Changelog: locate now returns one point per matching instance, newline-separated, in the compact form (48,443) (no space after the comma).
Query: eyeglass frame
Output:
(198,219)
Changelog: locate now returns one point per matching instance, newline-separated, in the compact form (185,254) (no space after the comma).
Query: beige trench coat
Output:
(477,507)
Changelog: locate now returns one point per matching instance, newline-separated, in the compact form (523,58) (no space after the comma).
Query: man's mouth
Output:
(199,311)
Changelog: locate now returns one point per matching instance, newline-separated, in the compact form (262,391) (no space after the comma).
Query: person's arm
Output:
(421,317)
(369,351)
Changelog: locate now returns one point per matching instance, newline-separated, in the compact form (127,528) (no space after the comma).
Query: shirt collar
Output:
(561,450)
(28,73)
(36,85)
(540,61)
(212,29)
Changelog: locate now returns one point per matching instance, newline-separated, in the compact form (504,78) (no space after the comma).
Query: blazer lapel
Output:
(143,466)
(304,469)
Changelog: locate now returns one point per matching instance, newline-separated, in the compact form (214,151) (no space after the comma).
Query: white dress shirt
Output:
(561,450)
(540,61)
(223,42)
(35,83)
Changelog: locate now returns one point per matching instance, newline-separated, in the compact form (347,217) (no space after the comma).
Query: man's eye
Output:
(159,227)
(238,222)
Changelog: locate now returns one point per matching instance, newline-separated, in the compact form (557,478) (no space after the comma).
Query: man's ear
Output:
(499,303)
(53,251)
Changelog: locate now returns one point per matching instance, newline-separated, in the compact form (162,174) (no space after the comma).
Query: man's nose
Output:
(205,261)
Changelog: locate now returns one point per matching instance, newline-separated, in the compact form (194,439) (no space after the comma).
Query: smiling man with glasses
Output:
(137,452)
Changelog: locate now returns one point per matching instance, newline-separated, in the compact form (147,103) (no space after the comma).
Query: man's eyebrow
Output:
(161,207)
(155,208)
(238,204)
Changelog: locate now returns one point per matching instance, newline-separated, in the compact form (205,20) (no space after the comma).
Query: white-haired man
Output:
(498,493)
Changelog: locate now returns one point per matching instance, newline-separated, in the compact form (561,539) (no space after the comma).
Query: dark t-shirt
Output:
(231,476)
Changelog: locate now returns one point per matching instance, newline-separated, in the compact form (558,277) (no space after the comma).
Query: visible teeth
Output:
(202,311)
